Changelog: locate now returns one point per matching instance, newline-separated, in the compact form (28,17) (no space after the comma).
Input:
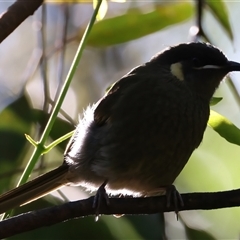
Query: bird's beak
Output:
(233,66)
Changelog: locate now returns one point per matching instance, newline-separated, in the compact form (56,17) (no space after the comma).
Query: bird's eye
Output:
(196,63)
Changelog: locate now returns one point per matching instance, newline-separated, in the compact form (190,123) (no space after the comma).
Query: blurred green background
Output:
(34,62)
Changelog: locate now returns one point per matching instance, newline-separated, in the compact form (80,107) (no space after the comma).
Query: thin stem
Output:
(38,151)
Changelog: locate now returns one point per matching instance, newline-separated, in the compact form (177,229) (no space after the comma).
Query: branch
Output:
(150,205)
(16,14)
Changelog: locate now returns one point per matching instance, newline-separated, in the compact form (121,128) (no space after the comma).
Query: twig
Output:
(16,14)
(150,205)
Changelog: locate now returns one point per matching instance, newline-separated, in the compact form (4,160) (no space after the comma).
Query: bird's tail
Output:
(34,189)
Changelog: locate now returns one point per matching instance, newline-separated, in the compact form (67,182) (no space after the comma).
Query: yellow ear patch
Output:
(176,70)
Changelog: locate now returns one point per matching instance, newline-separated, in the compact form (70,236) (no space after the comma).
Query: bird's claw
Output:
(175,198)
(101,196)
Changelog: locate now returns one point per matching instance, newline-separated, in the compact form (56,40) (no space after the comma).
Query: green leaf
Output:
(19,116)
(220,12)
(135,24)
(15,117)
(195,234)
(215,100)
(224,127)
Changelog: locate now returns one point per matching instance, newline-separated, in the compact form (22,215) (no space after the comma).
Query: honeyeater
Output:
(139,136)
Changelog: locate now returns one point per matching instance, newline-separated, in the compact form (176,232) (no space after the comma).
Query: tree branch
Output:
(150,205)
(16,14)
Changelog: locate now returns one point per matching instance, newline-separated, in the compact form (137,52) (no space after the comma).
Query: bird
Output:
(139,136)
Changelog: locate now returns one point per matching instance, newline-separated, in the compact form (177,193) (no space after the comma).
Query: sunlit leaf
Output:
(135,24)
(103,9)
(68,1)
(219,10)
(224,127)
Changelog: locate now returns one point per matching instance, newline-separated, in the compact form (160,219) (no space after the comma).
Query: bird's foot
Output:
(174,197)
(101,196)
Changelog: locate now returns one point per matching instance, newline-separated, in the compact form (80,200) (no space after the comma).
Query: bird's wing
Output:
(105,105)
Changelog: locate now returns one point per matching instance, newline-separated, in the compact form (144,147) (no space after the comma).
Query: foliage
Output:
(20,117)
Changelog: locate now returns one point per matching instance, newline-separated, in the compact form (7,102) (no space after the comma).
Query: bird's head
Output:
(199,65)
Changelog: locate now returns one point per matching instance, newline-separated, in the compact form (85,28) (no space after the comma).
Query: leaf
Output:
(135,24)
(103,9)
(19,116)
(195,234)
(220,12)
(12,129)
(215,100)
(224,127)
